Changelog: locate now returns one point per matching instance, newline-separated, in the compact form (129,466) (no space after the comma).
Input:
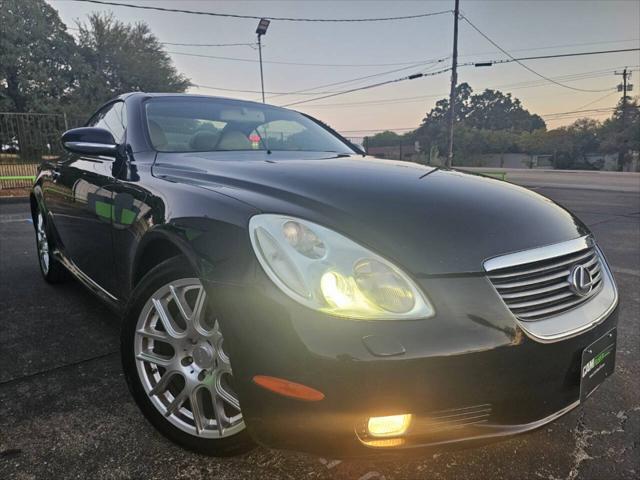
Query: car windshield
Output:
(179,124)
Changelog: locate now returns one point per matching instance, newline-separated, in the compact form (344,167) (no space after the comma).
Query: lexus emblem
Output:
(580,281)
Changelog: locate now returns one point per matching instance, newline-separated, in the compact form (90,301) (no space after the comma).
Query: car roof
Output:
(188,95)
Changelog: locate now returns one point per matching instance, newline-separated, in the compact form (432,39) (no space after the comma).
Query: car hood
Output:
(429,221)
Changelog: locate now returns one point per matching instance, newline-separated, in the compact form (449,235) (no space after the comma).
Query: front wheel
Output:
(176,366)
(51,269)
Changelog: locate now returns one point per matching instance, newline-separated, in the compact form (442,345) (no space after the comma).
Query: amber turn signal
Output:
(288,389)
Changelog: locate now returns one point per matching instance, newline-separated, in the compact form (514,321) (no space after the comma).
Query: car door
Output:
(132,217)
(81,202)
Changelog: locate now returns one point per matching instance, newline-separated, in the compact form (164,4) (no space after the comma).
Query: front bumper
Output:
(470,373)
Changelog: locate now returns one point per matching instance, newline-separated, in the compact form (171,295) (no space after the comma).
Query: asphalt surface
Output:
(65,411)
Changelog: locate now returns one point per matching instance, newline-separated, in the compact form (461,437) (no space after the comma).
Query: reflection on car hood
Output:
(429,221)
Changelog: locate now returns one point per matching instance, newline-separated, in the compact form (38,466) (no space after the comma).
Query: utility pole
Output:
(261,30)
(624,87)
(261,74)
(454,82)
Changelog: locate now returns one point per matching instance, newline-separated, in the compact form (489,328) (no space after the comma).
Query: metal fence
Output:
(25,140)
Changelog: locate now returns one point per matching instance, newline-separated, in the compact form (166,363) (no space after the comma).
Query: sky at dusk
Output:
(352,50)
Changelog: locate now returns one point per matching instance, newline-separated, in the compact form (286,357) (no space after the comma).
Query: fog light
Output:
(391,426)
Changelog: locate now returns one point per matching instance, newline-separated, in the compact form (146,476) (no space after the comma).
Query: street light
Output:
(262,30)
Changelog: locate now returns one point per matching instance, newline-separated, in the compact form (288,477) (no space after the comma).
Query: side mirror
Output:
(89,141)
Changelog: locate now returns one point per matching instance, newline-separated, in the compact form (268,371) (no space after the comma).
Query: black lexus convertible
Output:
(277,285)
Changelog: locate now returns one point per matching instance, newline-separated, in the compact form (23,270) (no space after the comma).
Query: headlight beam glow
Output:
(389,426)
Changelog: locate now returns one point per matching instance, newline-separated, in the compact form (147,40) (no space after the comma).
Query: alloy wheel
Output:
(182,364)
(43,244)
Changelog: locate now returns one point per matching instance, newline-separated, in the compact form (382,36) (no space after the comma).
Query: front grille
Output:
(542,289)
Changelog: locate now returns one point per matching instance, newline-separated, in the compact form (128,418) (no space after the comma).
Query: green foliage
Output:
(478,118)
(488,122)
(493,110)
(122,58)
(440,113)
(495,122)
(383,139)
(38,58)
(43,69)
(622,130)
(471,141)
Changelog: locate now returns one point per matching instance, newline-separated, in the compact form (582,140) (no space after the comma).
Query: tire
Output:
(50,268)
(173,360)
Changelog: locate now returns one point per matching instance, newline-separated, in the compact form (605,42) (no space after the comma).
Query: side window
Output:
(113,118)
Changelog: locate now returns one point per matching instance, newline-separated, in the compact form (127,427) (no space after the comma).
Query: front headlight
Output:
(326,271)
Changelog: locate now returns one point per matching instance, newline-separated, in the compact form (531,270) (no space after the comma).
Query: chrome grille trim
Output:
(538,254)
(552,310)
(539,288)
(569,262)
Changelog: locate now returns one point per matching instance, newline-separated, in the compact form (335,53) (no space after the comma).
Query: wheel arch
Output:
(156,247)
(34,206)
(36,202)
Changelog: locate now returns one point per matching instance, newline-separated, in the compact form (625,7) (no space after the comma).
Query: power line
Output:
(374,85)
(210,44)
(385,101)
(558,55)
(468,55)
(209,87)
(305,90)
(358,79)
(528,84)
(308,91)
(520,62)
(549,47)
(607,109)
(256,17)
(279,62)
(253,44)
(366,87)
(568,77)
(597,100)
(580,116)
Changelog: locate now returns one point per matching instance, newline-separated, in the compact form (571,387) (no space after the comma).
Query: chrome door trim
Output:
(83,277)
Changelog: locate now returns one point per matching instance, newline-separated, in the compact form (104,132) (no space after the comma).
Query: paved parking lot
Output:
(65,411)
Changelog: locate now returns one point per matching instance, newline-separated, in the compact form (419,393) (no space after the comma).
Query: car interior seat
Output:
(234,140)
(158,138)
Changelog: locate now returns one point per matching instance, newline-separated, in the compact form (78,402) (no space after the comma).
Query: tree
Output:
(489,110)
(38,58)
(488,122)
(622,130)
(440,112)
(585,133)
(122,58)
(494,110)
(382,139)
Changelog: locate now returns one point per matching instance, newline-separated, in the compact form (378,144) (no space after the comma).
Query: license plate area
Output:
(598,362)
